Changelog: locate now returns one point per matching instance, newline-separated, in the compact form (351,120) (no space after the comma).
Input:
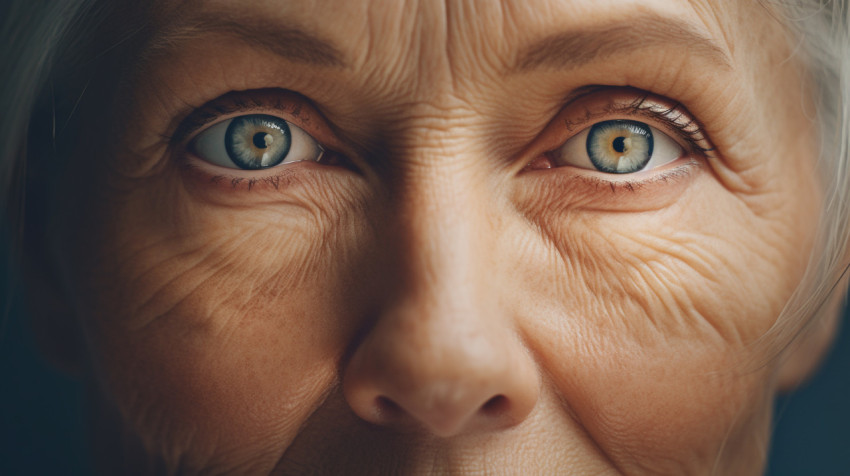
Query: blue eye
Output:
(255,142)
(618,147)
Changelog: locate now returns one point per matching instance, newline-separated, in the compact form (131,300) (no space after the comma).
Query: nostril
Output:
(387,409)
(496,405)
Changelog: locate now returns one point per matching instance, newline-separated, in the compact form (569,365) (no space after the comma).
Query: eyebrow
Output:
(292,43)
(564,50)
(574,49)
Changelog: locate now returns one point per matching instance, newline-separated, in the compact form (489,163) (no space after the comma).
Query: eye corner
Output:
(193,125)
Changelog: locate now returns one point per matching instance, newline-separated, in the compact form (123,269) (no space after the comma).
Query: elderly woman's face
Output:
(520,237)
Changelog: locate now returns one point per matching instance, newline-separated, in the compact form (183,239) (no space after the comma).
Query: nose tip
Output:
(450,388)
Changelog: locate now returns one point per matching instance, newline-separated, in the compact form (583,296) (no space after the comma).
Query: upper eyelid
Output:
(274,102)
(238,103)
(630,110)
(667,118)
(189,133)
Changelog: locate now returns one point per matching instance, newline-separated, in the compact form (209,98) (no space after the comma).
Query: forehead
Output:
(430,34)
(380,69)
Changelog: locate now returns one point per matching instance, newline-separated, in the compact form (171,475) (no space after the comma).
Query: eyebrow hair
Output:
(564,50)
(288,42)
(573,49)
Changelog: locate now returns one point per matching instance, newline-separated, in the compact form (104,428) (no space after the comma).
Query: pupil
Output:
(260,140)
(619,144)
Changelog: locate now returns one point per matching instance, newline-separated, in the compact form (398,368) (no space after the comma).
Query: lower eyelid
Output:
(571,188)
(213,170)
(209,179)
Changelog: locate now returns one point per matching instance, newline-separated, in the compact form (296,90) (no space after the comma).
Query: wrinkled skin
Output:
(442,296)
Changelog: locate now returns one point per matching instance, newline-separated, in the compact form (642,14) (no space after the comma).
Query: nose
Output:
(442,354)
(444,369)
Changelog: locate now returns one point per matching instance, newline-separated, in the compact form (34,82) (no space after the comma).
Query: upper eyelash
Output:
(224,106)
(690,131)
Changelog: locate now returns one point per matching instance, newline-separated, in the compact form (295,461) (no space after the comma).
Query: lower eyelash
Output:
(677,173)
(286,177)
(235,182)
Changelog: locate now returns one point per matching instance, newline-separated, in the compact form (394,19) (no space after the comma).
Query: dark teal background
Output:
(43,432)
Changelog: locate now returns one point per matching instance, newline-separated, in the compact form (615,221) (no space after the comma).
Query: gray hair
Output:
(820,32)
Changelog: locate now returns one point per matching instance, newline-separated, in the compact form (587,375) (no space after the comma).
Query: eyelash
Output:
(690,131)
(669,117)
(227,105)
(288,105)
(632,185)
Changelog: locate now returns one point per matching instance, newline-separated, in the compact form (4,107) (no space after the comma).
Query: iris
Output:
(257,141)
(620,146)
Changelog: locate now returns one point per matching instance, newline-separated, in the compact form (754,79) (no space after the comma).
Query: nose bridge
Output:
(440,242)
(440,235)
(440,196)
(440,353)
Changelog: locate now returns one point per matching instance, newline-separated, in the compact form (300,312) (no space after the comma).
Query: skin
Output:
(441,296)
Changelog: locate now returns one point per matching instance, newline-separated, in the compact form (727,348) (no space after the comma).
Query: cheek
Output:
(646,322)
(219,329)
(218,332)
